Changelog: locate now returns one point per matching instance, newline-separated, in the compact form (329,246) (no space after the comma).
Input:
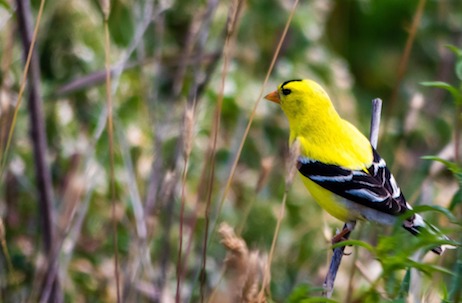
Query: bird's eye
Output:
(286,91)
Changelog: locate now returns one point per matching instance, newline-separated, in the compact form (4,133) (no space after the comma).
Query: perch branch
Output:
(339,251)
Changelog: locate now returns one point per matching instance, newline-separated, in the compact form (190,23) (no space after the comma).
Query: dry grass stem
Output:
(214,139)
(294,153)
(9,264)
(405,57)
(365,272)
(106,8)
(254,110)
(266,165)
(188,131)
(187,147)
(245,268)
(110,130)
(21,89)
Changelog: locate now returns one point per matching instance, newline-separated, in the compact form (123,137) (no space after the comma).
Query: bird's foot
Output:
(340,237)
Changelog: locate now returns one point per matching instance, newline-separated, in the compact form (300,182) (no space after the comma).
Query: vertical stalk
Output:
(405,57)
(106,7)
(50,290)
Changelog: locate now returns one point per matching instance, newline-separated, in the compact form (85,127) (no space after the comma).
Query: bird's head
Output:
(301,98)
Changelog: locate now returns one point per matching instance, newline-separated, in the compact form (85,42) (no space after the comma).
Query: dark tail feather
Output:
(415,225)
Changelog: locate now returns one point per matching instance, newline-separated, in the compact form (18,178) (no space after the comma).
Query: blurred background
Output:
(186,78)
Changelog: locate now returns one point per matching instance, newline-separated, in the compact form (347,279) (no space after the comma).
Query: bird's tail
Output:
(416,226)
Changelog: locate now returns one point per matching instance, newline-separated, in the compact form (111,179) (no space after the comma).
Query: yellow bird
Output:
(338,165)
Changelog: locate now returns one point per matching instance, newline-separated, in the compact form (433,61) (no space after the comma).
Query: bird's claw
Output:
(340,237)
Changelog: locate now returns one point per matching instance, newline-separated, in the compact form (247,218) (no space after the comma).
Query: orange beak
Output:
(273,96)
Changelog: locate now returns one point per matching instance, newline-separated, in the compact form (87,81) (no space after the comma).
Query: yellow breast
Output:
(329,201)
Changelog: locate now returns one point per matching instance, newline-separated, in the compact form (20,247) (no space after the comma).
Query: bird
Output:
(340,168)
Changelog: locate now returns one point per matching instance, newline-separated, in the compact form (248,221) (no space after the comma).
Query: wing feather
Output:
(375,188)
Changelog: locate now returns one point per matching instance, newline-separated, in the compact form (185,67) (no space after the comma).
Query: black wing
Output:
(375,188)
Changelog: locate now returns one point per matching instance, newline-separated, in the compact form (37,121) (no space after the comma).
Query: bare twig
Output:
(28,38)
(188,137)
(214,137)
(4,124)
(406,54)
(254,110)
(335,262)
(4,246)
(231,27)
(193,96)
(89,169)
(375,121)
(50,287)
(5,85)
(338,251)
(97,78)
(110,130)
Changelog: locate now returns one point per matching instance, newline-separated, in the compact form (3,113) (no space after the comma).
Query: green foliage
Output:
(304,293)
(352,47)
(121,13)
(455,168)
(456,93)
(5,5)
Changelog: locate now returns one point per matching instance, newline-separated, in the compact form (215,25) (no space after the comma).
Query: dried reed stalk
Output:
(245,268)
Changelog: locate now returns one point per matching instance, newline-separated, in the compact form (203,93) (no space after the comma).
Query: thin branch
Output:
(254,110)
(29,39)
(193,96)
(110,130)
(50,291)
(213,147)
(405,57)
(339,251)
(89,172)
(230,29)
(188,138)
(375,121)
(5,85)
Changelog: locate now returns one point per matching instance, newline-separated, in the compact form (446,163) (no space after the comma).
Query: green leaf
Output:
(121,13)
(356,243)
(444,294)
(456,290)
(451,89)
(453,167)
(404,289)
(440,209)
(395,263)
(429,269)
(458,68)
(457,51)
(318,300)
(456,200)
(299,293)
